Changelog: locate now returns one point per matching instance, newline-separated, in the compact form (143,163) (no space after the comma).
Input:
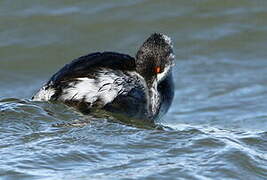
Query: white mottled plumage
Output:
(44,94)
(91,90)
(167,39)
(105,87)
(154,97)
(162,75)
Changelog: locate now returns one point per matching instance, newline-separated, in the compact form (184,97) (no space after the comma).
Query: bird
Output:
(136,87)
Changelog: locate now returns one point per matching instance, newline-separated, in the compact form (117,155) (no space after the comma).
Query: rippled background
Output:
(216,128)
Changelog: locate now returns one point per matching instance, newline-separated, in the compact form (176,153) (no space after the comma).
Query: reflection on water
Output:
(216,127)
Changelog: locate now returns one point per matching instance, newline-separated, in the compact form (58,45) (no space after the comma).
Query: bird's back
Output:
(99,80)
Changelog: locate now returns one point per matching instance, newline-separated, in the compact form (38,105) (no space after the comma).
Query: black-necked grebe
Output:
(140,87)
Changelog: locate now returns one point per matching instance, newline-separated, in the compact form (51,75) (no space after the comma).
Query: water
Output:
(216,128)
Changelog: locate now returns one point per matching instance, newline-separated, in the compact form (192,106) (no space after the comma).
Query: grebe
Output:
(140,87)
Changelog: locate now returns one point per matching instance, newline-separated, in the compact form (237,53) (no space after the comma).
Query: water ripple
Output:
(215,129)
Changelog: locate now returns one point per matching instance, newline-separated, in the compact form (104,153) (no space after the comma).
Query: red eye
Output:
(157,69)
